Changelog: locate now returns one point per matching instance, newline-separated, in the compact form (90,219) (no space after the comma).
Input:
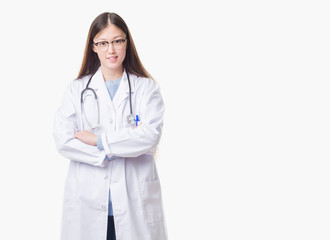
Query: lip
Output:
(112,58)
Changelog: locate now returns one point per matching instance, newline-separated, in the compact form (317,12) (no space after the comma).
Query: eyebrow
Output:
(104,39)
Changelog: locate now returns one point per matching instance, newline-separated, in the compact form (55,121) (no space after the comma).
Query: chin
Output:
(112,66)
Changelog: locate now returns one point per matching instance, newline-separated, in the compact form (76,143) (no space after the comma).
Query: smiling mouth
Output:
(112,59)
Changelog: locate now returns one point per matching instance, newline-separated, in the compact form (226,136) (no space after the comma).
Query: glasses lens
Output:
(118,44)
(103,46)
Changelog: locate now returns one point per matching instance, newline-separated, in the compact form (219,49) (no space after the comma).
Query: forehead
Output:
(109,32)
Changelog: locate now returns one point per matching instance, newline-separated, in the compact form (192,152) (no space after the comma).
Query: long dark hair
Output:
(91,62)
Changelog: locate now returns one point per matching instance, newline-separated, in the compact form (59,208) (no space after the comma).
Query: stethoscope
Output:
(133,121)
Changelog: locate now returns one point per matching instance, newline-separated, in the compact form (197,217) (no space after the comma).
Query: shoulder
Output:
(81,81)
(143,83)
(78,84)
(74,87)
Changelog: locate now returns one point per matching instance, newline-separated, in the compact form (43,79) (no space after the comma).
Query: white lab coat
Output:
(132,176)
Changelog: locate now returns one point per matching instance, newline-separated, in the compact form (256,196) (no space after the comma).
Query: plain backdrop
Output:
(245,148)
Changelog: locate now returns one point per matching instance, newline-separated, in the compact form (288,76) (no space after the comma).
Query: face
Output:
(113,54)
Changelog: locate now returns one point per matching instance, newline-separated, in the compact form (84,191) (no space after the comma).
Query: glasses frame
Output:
(112,43)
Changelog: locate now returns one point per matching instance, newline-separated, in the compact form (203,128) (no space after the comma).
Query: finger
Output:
(77,135)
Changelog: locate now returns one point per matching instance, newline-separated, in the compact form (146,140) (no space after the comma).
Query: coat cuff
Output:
(105,145)
(99,143)
(101,147)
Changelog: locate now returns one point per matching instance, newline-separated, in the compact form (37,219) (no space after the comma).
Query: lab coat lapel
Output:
(97,83)
(123,91)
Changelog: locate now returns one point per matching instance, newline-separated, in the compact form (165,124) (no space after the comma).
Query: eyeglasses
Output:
(104,45)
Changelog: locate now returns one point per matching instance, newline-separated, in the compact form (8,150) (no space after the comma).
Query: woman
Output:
(109,126)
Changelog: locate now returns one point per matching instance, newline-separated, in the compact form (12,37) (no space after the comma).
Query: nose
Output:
(111,48)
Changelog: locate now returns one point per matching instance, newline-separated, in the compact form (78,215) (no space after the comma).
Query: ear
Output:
(94,48)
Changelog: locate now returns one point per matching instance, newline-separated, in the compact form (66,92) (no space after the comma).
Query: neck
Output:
(111,74)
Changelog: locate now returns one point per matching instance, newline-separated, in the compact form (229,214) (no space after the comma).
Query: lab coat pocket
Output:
(152,201)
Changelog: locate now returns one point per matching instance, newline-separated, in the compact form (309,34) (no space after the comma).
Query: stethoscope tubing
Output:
(87,88)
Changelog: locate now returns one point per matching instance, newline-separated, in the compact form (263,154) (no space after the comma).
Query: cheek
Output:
(101,55)
(123,55)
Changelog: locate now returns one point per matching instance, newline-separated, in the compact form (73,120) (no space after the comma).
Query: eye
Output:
(102,44)
(118,41)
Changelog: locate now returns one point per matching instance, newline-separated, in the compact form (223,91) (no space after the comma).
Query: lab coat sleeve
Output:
(133,142)
(65,126)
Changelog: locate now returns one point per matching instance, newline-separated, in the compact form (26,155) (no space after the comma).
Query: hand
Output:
(86,137)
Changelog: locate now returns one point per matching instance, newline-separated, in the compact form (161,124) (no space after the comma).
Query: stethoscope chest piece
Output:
(130,119)
(133,120)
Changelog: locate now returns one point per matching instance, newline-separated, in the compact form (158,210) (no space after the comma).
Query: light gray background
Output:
(245,149)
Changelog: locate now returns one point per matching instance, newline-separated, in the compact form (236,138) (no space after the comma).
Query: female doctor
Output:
(109,126)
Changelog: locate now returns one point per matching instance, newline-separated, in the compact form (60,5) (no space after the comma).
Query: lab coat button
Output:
(106,177)
(111,120)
